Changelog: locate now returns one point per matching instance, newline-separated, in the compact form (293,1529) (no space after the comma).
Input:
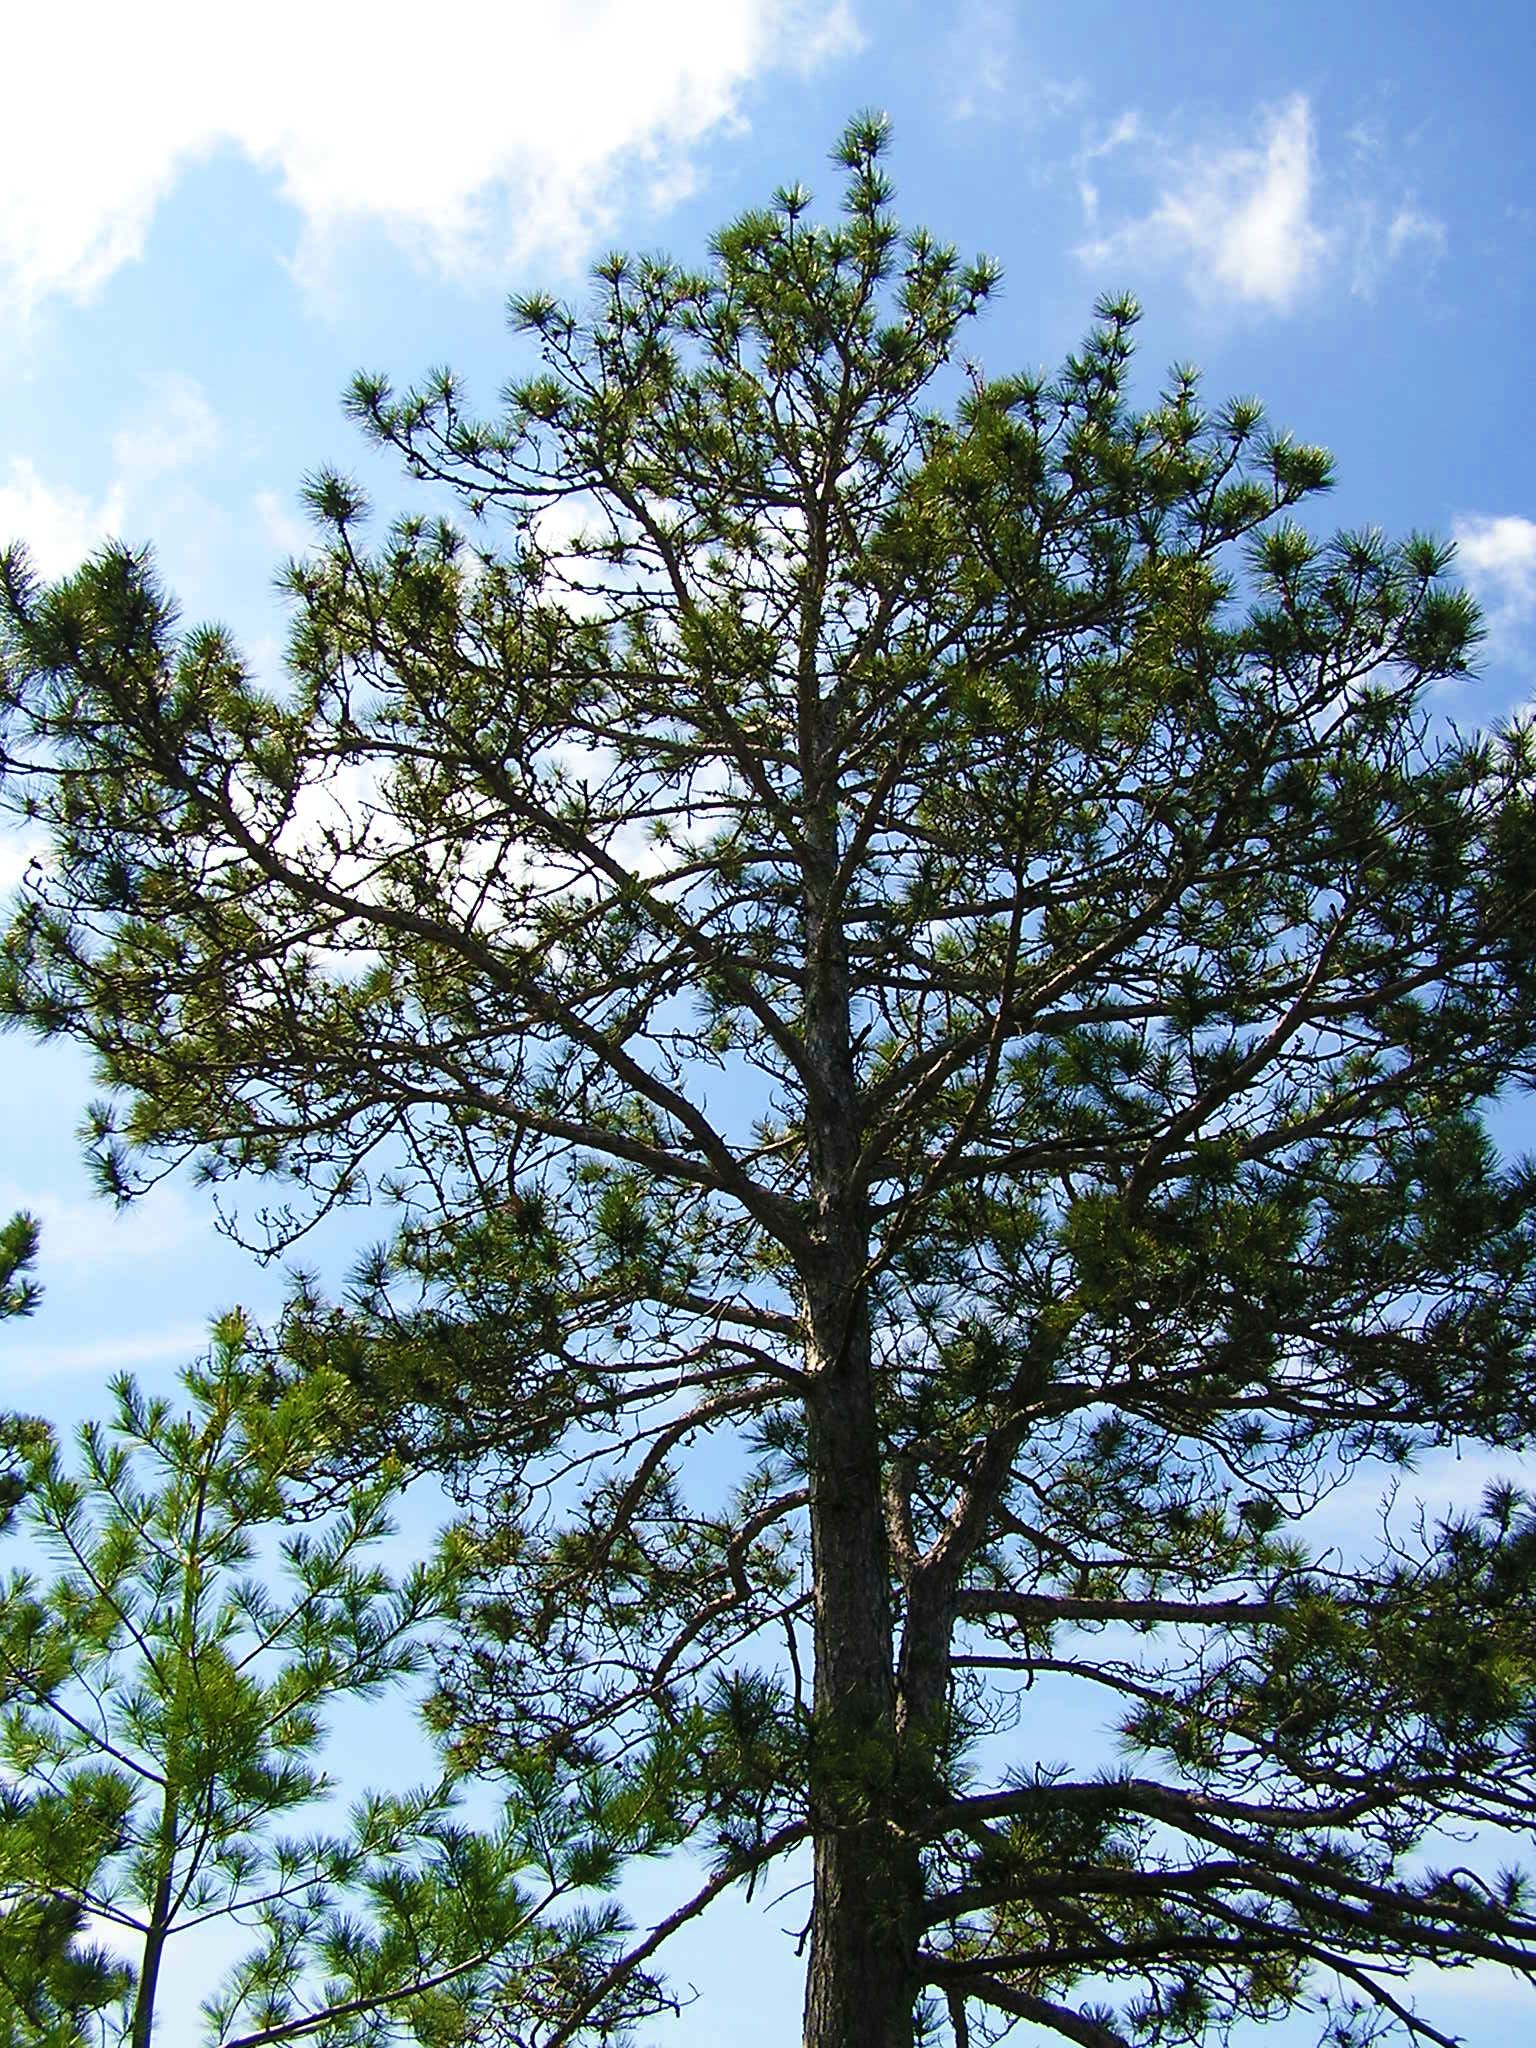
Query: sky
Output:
(211,218)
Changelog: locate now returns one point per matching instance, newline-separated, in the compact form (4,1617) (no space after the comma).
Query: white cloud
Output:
(1240,218)
(1497,556)
(60,527)
(504,132)
(86,1235)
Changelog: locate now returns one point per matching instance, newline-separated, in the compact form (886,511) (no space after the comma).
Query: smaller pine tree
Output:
(165,1689)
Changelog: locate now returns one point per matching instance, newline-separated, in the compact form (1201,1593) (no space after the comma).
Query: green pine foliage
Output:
(19,1296)
(19,1292)
(928,992)
(167,1673)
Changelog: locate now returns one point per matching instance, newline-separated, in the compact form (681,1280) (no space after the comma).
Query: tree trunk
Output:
(867,1884)
(866,1892)
(143,2024)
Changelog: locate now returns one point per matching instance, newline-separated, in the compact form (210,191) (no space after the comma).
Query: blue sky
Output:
(209,219)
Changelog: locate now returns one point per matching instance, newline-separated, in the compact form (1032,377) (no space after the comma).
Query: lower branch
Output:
(1044,2012)
(631,1960)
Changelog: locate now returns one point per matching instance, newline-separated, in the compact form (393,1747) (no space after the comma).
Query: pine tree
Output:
(928,992)
(166,1694)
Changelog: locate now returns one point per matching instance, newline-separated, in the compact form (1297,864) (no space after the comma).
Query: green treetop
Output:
(915,927)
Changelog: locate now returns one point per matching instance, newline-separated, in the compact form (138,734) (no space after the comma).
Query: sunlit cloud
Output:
(511,130)
(59,526)
(1497,556)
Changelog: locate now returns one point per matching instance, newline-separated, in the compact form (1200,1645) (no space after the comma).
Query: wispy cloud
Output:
(1409,229)
(988,73)
(1255,221)
(282,524)
(27,1363)
(1123,131)
(1238,219)
(517,145)
(172,433)
(1383,237)
(82,1236)
(176,429)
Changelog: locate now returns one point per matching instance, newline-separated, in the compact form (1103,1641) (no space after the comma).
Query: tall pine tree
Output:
(928,993)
